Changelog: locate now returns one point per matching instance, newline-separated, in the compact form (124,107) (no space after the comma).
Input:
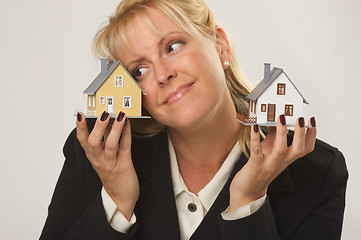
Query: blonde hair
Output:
(186,13)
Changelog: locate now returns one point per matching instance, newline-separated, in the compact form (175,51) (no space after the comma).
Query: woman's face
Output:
(181,72)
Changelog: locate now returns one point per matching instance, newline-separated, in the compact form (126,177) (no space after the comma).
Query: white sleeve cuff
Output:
(244,211)
(115,218)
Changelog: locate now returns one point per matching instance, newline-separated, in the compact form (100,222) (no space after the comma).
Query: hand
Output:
(111,158)
(268,159)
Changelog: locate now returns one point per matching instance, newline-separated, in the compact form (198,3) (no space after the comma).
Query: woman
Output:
(189,179)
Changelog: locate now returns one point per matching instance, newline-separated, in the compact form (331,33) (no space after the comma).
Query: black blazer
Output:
(306,201)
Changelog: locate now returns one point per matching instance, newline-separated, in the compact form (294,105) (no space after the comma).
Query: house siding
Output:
(291,97)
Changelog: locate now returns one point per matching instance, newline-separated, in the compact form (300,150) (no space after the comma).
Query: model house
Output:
(273,96)
(114,90)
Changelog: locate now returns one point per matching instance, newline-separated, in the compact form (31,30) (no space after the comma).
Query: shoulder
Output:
(325,164)
(326,156)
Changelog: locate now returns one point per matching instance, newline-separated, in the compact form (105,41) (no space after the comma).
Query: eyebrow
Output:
(160,43)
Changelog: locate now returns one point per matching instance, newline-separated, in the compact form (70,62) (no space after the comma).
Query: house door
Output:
(110,104)
(271,112)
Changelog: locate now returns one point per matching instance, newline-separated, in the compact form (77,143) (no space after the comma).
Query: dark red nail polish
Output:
(120,116)
(301,122)
(313,121)
(79,117)
(104,116)
(283,119)
(255,128)
(125,123)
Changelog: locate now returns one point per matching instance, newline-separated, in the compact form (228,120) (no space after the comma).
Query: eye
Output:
(174,45)
(138,72)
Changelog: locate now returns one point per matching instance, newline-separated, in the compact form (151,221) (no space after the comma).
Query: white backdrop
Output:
(46,63)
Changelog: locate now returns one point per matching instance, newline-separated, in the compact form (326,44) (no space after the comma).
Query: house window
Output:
(102,100)
(263,107)
(93,101)
(289,110)
(118,81)
(281,89)
(127,102)
(89,101)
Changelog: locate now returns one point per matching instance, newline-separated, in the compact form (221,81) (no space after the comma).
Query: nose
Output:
(164,73)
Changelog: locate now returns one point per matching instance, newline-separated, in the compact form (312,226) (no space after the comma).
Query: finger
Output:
(255,144)
(82,132)
(297,149)
(125,141)
(280,143)
(97,134)
(112,141)
(311,136)
(108,129)
(268,142)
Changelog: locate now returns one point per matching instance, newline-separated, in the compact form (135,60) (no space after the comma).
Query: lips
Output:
(178,93)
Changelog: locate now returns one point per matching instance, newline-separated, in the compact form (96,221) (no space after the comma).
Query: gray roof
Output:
(102,77)
(264,84)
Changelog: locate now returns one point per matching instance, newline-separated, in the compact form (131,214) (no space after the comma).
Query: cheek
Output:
(205,62)
(149,100)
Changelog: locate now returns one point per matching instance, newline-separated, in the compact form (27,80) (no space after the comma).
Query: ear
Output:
(223,46)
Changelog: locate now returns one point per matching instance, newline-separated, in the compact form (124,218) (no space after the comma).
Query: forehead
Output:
(149,22)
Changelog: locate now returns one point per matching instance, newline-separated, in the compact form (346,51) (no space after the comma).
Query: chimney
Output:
(267,71)
(104,65)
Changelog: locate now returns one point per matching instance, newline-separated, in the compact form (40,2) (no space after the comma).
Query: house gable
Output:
(291,97)
(265,84)
(119,85)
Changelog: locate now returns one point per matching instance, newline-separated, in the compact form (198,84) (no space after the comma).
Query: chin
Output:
(189,118)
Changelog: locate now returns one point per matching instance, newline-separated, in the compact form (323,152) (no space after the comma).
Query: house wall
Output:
(91,102)
(270,97)
(129,88)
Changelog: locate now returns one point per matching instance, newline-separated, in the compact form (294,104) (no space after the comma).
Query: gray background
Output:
(46,63)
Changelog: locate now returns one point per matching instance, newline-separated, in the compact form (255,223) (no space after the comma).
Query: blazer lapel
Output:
(156,209)
(210,221)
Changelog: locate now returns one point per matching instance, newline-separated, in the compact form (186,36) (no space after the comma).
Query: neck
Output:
(202,149)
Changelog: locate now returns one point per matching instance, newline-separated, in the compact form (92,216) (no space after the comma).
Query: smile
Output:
(178,93)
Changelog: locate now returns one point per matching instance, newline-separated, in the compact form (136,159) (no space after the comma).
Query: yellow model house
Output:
(114,90)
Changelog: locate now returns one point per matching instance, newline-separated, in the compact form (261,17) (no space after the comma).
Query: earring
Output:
(226,63)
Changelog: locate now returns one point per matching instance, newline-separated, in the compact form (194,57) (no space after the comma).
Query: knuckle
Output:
(124,146)
(112,147)
(92,142)
(298,151)
(256,150)
(108,168)
(280,150)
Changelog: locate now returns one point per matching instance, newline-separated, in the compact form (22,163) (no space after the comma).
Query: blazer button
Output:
(192,207)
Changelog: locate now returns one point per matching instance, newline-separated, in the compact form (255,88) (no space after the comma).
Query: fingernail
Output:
(120,116)
(79,117)
(313,121)
(301,122)
(104,116)
(255,128)
(126,120)
(283,119)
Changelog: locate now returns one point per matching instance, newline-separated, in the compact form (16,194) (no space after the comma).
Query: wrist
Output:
(125,206)
(126,211)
